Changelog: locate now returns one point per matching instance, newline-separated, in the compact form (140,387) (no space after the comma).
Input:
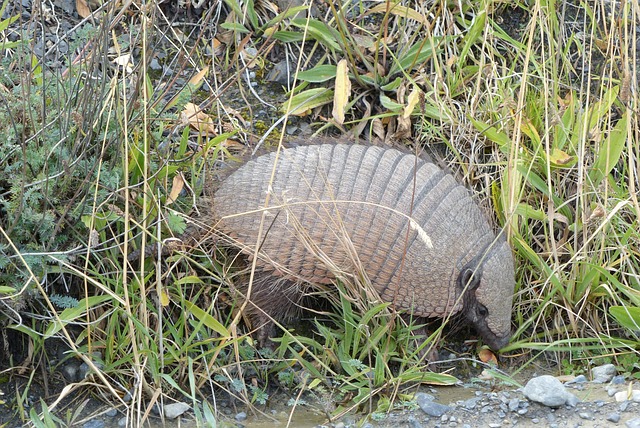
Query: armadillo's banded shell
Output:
(322,193)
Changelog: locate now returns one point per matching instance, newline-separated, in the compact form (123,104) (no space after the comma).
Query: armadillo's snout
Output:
(495,296)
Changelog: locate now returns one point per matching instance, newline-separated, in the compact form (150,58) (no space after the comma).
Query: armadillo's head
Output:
(489,295)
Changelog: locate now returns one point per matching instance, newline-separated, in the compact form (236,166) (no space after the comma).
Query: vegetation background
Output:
(115,115)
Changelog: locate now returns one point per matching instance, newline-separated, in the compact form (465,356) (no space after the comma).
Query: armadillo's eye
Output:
(482,311)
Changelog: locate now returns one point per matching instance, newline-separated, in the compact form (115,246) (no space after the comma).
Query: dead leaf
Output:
(176,188)
(558,157)
(125,62)
(412,102)
(197,79)
(342,91)
(197,119)
(378,128)
(403,129)
(218,46)
(364,41)
(164,297)
(486,356)
(400,11)
(83,8)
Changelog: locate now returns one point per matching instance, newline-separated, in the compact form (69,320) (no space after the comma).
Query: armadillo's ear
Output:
(469,279)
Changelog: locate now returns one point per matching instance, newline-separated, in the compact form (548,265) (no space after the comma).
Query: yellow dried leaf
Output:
(558,157)
(195,80)
(399,10)
(342,91)
(197,119)
(412,102)
(164,298)
(176,188)
(218,46)
(83,8)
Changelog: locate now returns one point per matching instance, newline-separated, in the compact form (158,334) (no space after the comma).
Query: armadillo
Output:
(405,223)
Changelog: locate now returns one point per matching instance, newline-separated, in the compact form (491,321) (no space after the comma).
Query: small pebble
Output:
(585,415)
(471,403)
(549,391)
(633,423)
(621,396)
(122,422)
(70,373)
(94,423)
(572,400)
(413,423)
(241,416)
(618,380)
(613,417)
(173,410)
(604,373)
(112,412)
(432,408)
(578,379)
(514,403)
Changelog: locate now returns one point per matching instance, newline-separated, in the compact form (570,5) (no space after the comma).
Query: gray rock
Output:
(618,380)
(70,372)
(430,407)
(241,416)
(413,423)
(633,423)
(578,379)
(585,415)
(514,403)
(94,423)
(572,400)
(613,417)
(603,374)
(423,396)
(122,421)
(282,73)
(549,391)
(471,403)
(173,410)
(112,413)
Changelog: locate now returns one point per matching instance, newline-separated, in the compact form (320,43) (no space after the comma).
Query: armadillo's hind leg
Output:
(270,300)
